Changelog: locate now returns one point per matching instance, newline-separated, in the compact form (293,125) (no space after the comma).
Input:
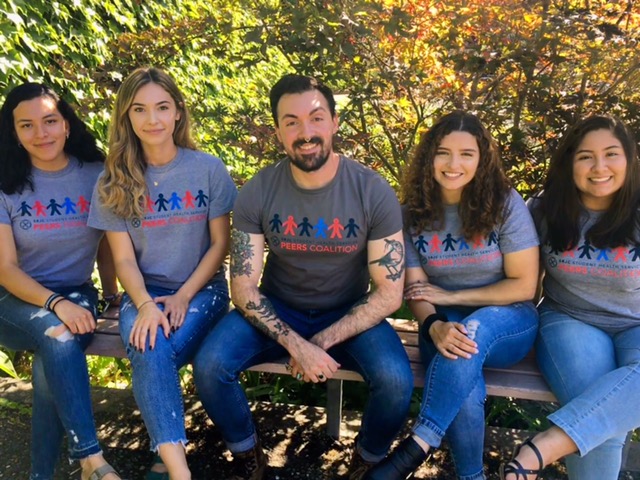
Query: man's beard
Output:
(311,162)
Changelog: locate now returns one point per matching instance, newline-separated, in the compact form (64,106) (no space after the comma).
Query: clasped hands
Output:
(312,364)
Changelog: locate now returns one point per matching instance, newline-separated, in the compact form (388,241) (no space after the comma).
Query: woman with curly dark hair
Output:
(472,269)
(49,164)
(588,346)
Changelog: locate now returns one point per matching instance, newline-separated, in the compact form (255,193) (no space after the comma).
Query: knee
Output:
(210,366)
(396,382)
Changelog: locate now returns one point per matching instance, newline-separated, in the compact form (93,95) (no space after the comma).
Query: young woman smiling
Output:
(49,164)
(588,347)
(165,207)
(472,267)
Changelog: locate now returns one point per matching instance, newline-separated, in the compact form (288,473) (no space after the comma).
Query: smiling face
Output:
(306,128)
(455,164)
(153,114)
(42,131)
(599,168)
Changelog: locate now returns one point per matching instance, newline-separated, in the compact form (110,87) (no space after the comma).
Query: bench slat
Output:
(522,380)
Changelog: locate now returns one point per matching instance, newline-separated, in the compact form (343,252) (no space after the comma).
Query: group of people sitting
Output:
(464,250)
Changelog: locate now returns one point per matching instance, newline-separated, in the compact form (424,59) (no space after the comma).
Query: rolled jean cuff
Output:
(84,452)
(428,432)
(367,456)
(244,445)
(583,448)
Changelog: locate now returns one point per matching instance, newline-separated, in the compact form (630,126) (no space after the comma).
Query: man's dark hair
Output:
(294,83)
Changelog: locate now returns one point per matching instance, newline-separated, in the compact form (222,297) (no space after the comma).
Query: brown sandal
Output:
(100,472)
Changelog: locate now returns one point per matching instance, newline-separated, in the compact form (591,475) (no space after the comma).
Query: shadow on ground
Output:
(294,437)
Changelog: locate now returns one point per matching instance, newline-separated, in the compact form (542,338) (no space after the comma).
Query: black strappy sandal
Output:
(514,467)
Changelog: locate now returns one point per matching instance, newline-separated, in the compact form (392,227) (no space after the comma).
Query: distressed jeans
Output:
(596,377)
(61,393)
(156,379)
(454,392)
(235,345)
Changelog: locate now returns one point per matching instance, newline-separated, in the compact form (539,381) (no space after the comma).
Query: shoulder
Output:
(364,175)
(199,157)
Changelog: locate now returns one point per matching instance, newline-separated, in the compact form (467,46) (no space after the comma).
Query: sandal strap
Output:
(533,447)
(100,472)
(515,467)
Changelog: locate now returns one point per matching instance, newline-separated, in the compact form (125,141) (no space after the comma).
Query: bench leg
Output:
(334,407)
(625,450)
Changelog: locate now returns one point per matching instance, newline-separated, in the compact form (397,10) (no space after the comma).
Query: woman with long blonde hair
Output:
(165,207)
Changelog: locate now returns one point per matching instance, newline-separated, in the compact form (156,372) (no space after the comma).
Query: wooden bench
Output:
(523,380)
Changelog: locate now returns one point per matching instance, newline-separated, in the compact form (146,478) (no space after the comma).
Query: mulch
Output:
(294,437)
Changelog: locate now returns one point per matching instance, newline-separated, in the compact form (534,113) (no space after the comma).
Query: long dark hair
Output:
(15,164)
(482,202)
(561,206)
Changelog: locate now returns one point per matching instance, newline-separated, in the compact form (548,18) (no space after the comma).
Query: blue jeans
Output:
(596,377)
(155,373)
(454,393)
(235,345)
(61,394)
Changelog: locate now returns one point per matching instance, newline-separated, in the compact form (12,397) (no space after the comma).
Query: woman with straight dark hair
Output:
(165,207)
(472,267)
(588,347)
(49,164)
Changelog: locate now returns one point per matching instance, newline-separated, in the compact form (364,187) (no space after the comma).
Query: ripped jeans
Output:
(156,381)
(454,392)
(61,395)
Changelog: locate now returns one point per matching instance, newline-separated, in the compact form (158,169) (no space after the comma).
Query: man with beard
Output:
(311,302)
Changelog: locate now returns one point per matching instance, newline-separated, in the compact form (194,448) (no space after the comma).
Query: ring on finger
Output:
(298,376)
(321,377)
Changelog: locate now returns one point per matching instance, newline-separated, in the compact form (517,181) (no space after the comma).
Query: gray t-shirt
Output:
(598,286)
(173,236)
(453,262)
(54,245)
(317,238)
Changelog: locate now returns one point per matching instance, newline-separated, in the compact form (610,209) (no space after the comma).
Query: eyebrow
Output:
(23,120)
(315,110)
(586,150)
(140,104)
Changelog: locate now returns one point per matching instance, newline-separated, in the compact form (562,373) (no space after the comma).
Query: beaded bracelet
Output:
(52,297)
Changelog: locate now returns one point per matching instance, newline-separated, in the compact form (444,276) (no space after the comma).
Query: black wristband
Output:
(52,298)
(55,303)
(430,320)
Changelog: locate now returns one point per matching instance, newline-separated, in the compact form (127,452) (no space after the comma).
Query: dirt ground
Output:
(294,437)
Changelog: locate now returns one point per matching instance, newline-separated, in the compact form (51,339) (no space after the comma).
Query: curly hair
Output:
(122,187)
(483,198)
(560,204)
(15,162)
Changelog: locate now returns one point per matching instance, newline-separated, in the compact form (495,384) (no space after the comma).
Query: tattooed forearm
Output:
(241,254)
(392,260)
(263,316)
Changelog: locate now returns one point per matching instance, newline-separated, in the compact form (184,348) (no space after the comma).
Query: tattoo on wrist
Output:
(392,260)
(241,254)
(262,315)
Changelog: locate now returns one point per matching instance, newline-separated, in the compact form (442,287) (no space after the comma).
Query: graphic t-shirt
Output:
(173,236)
(49,224)
(317,238)
(599,286)
(453,262)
